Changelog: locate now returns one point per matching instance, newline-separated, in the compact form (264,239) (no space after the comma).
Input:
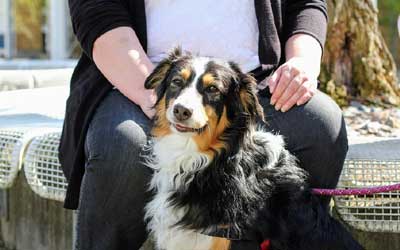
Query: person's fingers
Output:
(286,76)
(292,88)
(147,103)
(305,98)
(149,112)
(301,91)
(273,80)
(312,88)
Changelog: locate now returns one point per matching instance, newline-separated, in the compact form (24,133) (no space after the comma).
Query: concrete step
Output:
(28,79)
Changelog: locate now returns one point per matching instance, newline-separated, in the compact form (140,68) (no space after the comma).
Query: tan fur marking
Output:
(248,100)
(185,73)
(223,226)
(159,76)
(161,125)
(209,140)
(208,79)
(245,98)
(220,244)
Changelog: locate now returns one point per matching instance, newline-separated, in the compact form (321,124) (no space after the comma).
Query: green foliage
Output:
(387,6)
(389,10)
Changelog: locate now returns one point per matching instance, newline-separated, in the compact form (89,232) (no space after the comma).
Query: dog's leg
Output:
(298,221)
(318,230)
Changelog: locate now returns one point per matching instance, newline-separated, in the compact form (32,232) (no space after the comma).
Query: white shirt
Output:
(224,29)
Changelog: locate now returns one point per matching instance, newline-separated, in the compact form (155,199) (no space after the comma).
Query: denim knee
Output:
(328,140)
(328,124)
(117,132)
(124,141)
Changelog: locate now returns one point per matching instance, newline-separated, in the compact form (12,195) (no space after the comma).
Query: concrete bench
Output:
(10,156)
(27,74)
(24,115)
(42,168)
(28,221)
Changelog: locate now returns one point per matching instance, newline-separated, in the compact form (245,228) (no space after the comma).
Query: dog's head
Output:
(202,98)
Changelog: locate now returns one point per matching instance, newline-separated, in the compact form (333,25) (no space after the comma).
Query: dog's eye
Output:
(212,89)
(177,82)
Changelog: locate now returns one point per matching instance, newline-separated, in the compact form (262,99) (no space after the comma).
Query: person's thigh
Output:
(114,188)
(316,134)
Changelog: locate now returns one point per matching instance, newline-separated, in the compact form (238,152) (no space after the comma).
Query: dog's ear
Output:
(161,71)
(248,96)
(248,93)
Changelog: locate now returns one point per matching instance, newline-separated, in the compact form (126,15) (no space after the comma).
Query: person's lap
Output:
(114,189)
(315,133)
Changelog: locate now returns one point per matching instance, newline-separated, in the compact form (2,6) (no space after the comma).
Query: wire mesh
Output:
(10,147)
(375,213)
(42,168)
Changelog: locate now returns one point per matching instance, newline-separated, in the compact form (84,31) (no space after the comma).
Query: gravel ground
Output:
(371,121)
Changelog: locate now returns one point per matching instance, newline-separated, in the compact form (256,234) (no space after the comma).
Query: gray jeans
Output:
(114,188)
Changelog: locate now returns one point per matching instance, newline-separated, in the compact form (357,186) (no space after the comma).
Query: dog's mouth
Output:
(184,129)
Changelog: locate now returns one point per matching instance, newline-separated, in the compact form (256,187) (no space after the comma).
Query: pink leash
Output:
(356,191)
(339,192)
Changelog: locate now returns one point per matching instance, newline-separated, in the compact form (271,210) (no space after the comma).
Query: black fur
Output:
(242,190)
(239,189)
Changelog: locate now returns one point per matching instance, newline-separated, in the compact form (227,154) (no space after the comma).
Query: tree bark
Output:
(357,63)
(28,16)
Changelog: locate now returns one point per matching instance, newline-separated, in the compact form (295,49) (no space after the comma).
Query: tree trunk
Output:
(357,63)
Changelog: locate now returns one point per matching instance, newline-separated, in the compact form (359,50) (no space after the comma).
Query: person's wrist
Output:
(307,65)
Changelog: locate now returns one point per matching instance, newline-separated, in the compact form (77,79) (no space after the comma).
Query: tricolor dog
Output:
(217,170)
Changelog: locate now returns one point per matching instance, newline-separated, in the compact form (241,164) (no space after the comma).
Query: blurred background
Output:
(38,51)
(36,29)
(389,11)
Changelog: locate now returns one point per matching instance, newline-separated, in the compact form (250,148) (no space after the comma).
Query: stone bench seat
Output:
(26,116)
(42,168)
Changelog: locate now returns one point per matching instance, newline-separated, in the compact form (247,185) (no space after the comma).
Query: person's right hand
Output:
(147,99)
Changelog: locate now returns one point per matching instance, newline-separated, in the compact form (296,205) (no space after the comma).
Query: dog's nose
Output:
(181,113)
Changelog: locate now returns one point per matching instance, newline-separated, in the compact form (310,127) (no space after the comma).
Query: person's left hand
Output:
(294,82)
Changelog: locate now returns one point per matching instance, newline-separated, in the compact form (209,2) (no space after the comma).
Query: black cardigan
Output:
(277,21)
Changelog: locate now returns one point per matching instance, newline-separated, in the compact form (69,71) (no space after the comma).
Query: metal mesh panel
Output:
(375,213)
(42,168)
(10,149)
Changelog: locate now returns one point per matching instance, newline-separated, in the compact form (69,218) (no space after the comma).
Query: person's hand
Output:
(293,83)
(147,99)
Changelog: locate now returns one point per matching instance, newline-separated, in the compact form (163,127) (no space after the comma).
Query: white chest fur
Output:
(175,155)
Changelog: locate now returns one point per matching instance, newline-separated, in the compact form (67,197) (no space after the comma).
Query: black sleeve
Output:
(92,18)
(308,17)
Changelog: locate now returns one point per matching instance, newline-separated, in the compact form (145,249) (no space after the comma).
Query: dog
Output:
(216,169)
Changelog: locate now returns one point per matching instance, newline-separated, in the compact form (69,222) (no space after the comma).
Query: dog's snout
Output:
(182,113)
